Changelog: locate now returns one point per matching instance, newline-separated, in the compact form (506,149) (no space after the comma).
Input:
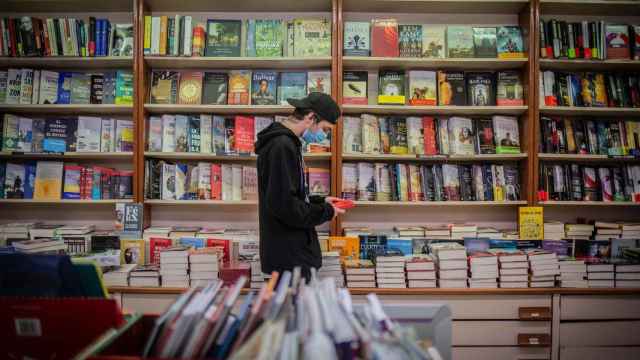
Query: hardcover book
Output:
(215,88)
(509,40)
(460,42)
(481,89)
(312,37)
(507,135)
(268,38)
(433,41)
(510,91)
(164,87)
(461,136)
(264,87)
(410,40)
(319,81)
(293,85)
(391,87)
(190,92)
(384,38)
(452,88)
(357,38)
(239,87)
(223,38)
(484,42)
(422,87)
(354,87)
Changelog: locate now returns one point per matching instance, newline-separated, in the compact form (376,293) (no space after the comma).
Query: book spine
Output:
(163,35)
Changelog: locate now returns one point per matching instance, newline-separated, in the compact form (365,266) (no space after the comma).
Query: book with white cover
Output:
(206,135)
(514,284)
(516,271)
(452,264)
(452,274)
(89,133)
(512,278)
(236,193)
(421,275)
(13,86)
(168,133)
(203,275)
(154,139)
(108,135)
(452,284)
(422,283)
(48,87)
(26,86)
(227,182)
(602,276)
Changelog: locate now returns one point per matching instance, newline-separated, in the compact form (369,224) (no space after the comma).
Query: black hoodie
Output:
(288,219)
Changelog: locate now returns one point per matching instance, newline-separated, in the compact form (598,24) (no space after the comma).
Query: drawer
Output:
(476,307)
(499,353)
(500,333)
(598,307)
(148,303)
(600,333)
(599,353)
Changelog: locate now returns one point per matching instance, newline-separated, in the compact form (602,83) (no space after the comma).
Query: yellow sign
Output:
(531,223)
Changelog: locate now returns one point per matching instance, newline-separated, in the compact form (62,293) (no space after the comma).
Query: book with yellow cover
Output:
(48,184)
(347,246)
(190,92)
(132,252)
(531,223)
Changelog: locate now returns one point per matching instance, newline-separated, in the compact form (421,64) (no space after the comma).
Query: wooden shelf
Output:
(438,203)
(588,111)
(69,62)
(63,202)
(588,203)
(201,156)
(586,158)
(239,6)
(589,65)
(71,155)
(373,63)
(435,110)
(201,202)
(282,63)
(61,6)
(443,158)
(436,6)
(68,109)
(589,7)
(219,109)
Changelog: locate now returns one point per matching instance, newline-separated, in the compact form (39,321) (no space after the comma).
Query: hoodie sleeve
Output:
(281,197)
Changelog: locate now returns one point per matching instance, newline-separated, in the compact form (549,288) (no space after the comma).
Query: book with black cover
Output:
(481,89)
(215,88)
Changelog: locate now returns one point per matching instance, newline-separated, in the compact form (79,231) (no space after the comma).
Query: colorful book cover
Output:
(451,182)
(415,137)
(485,137)
(510,44)
(244,134)
(132,252)
(293,85)
(347,246)
(164,87)
(55,135)
(214,88)
(312,37)
(223,38)
(384,38)
(64,88)
(422,87)
(433,41)
(481,89)
(268,38)
(124,88)
(319,81)
(14,180)
(617,41)
(398,135)
(354,87)
(460,42)
(239,87)
(156,245)
(429,134)
(531,222)
(264,87)
(319,181)
(461,136)
(400,246)
(71,189)
(507,137)
(452,88)
(357,38)
(410,40)
(510,91)
(190,92)
(391,89)
(484,42)
(193,134)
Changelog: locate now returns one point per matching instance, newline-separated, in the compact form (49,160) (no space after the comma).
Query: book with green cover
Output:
(223,38)
(268,38)
(460,42)
(292,85)
(312,37)
(391,87)
(124,88)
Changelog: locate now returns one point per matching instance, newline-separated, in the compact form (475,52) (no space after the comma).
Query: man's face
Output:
(313,125)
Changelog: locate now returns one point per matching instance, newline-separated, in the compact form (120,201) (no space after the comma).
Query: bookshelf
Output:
(590,203)
(63,62)
(242,63)
(438,203)
(588,111)
(213,157)
(102,156)
(63,202)
(581,158)
(68,109)
(349,109)
(589,65)
(434,158)
(370,62)
(201,202)
(218,109)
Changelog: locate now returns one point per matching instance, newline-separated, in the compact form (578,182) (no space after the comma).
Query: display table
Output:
(540,323)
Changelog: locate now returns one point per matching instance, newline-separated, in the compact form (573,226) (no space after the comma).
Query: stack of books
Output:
(452,264)
(543,266)
(627,274)
(40,246)
(331,267)
(437,233)
(43,231)
(76,238)
(607,230)
(461,231)
(257,278)
(573,273)
(421,271)
(600,274)
(118,276)
(323,239)
(204,265)
(514,268)
(483,270)
(360,273)
(390,271)
(489,233)
(174,267)
(410,231)
(16,231)
(145,276)
(578,231)
(630,231)
(554,230)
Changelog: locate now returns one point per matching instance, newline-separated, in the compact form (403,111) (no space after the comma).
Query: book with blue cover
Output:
(64,88)
(403,246)
(264,87)
(30,179)
(55,135)
(372,246)
(192,242)
(293,85)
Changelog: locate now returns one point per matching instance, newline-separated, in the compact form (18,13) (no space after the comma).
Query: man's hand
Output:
(336,210)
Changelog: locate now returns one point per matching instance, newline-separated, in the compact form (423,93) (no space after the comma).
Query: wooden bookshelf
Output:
(280,63)
(213,157)
(434,110)
(436,6)
(434,158)
(589,203)
(63,202)
(201,202)
(589,65)
(72,6)
(69,62)
(218,109)
(373,63)
(238,6)
(586,158)
(437,203)
(68,109)
(590,7)
(588,111)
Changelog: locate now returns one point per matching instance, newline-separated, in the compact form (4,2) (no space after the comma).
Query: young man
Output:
(287,215)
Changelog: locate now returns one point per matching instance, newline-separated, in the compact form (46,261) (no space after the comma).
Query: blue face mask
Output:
(314,137)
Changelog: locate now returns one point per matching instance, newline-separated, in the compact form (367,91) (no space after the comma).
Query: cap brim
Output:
(299,103)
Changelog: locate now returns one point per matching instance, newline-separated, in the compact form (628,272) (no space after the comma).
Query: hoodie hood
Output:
(271,132)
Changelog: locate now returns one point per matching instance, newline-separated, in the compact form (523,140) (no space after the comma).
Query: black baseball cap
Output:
(321,103)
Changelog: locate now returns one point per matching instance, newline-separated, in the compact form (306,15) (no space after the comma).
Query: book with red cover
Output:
(232,271)
(384,38)
(244,133)
(224,244)
(216,182)
(155,246)
(429,133)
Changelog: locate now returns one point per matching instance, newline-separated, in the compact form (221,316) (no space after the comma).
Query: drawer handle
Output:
(534,340)
(534,313)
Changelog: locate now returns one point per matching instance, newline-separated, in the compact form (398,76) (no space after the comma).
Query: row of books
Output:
(387,38)
(185,36)
(446,182)
(590,89)
(455,231)
(588,40)
(422,87)
(596,274)
(236,87)
(428,136)
(28,86)
(55,180)
(585,136)
(57,135)
(573,182)
(598,230)
(30,36)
